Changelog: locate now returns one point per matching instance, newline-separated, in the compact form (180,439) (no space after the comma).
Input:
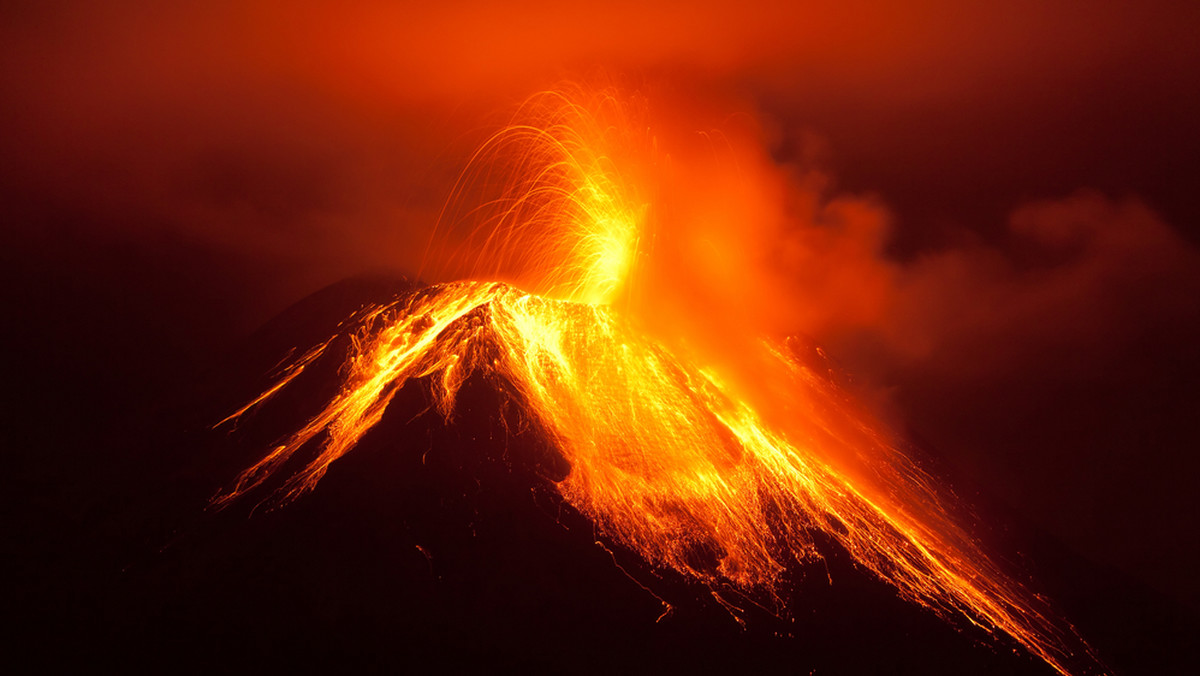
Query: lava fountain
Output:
(670,454)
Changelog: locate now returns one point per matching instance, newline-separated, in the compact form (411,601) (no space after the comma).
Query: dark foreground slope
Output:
(441,545)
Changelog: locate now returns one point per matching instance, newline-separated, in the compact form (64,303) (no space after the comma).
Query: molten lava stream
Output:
(668,453)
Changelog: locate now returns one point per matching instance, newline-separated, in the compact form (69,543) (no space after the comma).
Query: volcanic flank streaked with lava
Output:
(724,470)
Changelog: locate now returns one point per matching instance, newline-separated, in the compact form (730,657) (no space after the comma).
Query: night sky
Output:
(986,212)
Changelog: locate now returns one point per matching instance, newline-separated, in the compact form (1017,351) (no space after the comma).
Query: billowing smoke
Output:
(964,204)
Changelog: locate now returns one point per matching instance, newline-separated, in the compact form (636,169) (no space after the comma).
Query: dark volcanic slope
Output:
(440,545)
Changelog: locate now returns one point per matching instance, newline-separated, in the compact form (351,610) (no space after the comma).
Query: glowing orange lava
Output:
(668,455)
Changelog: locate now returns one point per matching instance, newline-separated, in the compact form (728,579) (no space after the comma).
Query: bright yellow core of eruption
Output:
(543,207)
(666,457)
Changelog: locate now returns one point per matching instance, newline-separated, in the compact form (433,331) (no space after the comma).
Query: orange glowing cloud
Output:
(935,234)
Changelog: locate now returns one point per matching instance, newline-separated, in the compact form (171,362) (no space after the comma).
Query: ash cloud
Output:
(988,209)
(1046,358)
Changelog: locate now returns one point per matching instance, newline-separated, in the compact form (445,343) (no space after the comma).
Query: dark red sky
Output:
(987,210)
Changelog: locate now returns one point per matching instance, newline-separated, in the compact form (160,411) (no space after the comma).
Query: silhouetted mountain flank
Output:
(442,545)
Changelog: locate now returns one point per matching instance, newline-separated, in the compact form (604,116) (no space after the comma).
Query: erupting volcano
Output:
(728,471)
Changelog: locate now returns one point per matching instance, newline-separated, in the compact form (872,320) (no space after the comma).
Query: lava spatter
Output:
(669,455)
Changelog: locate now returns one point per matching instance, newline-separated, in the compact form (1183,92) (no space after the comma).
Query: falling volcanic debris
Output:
(722,472)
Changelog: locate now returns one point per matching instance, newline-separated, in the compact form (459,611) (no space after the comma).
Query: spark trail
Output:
(668,455)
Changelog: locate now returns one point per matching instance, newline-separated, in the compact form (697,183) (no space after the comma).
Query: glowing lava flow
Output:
(666,456)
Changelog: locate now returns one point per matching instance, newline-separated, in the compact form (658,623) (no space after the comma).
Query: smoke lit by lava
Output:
(719,468)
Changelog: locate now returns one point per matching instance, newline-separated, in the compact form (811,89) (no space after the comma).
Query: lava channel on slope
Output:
(670,455)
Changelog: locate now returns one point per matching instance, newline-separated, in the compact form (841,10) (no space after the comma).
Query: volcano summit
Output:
(663,456)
